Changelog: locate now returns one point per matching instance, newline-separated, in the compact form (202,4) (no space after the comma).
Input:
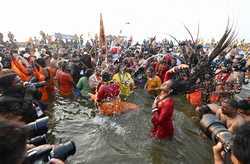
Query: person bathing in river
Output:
(244,109)
(107,95)
(95,79)
(83,84)
(65,82)
(228,114)
(153,82)
(125,81)
(107,89)
(108,99)
(162,113)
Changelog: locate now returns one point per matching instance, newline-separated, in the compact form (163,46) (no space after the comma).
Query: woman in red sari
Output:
(162,113)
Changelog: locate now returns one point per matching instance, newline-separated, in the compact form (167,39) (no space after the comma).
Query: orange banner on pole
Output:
(102,38)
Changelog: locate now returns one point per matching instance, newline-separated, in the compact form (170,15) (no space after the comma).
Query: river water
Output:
(125,139)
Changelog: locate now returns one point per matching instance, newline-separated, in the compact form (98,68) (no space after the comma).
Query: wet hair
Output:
(27,50)
(41,62)
(241,144)
(244,105)
(106,76)
(200,46)
(12,142)
(64,66)
(89,72)
(233,103)
(6,77)
(17,107)
(180,86)
(151,70)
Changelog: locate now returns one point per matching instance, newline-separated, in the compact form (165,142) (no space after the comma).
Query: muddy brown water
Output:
(125,139)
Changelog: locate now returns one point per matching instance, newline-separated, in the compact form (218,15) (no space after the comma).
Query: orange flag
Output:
(102,38)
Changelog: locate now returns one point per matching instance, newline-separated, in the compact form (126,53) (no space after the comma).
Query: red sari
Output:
(162,120)
(108,91)
(160,70)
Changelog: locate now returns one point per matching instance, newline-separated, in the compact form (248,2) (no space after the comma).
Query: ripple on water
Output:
(125,139)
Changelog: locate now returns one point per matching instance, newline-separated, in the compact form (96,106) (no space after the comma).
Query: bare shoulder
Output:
(240,120)
(218,112)
(214,107)
(235,123)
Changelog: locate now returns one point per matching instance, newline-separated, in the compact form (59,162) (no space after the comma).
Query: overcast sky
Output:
(147,17)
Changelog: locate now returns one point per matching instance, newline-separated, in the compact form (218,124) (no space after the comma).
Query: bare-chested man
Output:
(244,109)
(228,114)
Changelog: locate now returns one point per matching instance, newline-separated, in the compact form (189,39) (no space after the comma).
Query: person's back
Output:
(51,83)
(83,85)
(65,83)
(86,60)
(75,71)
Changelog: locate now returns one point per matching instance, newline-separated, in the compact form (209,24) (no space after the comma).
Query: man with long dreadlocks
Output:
(201,71)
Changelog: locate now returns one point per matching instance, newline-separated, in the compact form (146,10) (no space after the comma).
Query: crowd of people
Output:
(32,74)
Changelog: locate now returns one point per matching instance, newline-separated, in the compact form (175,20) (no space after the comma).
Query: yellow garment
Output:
(153,83)
(125,82)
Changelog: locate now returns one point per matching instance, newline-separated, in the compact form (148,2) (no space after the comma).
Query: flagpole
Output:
(102,38)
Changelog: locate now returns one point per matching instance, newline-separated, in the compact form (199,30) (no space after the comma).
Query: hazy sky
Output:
(147,17)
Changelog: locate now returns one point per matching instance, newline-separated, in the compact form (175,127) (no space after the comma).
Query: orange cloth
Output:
(40,76)
(153,83)
(20,70)
(214,98)
(116,107)
(65,83)
(51,82)
(195,98)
